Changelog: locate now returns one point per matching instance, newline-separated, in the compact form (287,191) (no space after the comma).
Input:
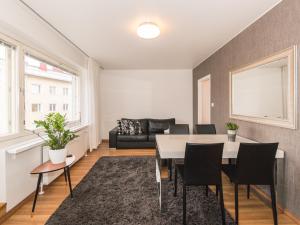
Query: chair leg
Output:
(217,190)
(184,205)
(248,191)
(274,207)
(170,168)
(206,190)
(220,188)
(175,183)
(236,198)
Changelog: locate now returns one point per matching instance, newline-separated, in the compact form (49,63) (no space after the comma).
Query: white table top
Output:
(173,146)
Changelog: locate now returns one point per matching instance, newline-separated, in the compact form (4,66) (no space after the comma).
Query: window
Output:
(65,91)
(36,107)
(52,107)
(65,101)
(8,89)
(52,90)
(35,89)
(65,107)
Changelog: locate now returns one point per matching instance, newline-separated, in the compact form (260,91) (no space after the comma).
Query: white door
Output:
(204,104)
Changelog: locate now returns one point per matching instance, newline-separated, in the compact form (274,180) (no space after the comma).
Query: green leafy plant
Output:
(54,126)
(231,126)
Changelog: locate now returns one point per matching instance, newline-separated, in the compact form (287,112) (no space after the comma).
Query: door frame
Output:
(199,102)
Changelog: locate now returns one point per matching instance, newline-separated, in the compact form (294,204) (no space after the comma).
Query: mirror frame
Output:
(291,121)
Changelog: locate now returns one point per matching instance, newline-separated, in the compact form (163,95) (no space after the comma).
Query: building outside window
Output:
(65,91)
(8,89)
(36,107)
(52,90)
(44,74)
(52,107)
(35,89)
(65,107)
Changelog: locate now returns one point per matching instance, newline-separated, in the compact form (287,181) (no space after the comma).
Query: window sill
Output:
(22,146)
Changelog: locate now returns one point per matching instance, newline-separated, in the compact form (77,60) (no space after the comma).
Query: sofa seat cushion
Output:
(129,138)
(151,138)
(157,126)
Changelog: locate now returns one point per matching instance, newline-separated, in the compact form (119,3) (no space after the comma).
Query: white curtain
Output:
(93,103)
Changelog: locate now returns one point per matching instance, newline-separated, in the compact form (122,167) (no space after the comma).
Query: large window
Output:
(60,92)
(7,89)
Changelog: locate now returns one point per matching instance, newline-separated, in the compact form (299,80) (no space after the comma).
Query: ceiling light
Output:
(148,30)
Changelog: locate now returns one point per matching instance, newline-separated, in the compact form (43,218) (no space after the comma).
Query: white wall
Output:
(20,23)
(145,94)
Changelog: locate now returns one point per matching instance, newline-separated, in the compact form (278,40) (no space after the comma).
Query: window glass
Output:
(7,89)
(60,92)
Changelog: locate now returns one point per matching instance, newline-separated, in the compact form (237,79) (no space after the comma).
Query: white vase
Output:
(58,156)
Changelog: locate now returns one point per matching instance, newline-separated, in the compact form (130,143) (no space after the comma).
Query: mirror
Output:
(264,92)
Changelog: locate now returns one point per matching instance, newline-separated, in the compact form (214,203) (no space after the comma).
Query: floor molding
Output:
(266,199)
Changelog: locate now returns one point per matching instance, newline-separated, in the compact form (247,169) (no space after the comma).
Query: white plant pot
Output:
(232,132)
(58,156)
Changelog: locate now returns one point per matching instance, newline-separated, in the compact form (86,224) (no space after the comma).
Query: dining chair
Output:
(205,129)
(202,166)
(179,129)
(176,129)
(254,166)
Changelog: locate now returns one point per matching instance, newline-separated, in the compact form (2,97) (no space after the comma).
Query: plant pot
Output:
(231,135)
(58,156)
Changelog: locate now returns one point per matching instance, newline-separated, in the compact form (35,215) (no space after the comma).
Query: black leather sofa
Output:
(149,127)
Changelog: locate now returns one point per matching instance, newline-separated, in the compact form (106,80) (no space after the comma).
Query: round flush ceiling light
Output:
(148,30)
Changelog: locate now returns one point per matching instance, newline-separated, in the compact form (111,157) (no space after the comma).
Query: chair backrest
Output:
(205,129)
(202,164)
(255,163)
(179,129)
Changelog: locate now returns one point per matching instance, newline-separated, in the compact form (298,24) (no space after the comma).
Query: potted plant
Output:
(231,130)
(54,126)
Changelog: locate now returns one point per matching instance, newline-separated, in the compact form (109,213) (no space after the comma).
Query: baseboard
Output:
(105,140)
(266,199)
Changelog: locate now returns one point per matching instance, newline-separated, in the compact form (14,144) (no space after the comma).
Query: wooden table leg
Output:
(37,191)
(65,174)
(69,179)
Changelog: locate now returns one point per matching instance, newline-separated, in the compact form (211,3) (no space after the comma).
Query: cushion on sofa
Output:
(129,138)
(151,137)
(157,126)
(143,124)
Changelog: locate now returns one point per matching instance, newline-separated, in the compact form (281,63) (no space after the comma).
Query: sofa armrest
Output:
(113,137)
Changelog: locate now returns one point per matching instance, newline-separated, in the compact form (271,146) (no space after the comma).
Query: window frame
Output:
(18,92)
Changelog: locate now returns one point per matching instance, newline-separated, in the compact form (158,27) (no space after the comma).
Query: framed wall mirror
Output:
(265,91)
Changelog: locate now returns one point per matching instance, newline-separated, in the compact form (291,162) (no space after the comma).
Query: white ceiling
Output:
(191,30)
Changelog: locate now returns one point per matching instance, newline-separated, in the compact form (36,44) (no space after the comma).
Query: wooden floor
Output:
(252,211)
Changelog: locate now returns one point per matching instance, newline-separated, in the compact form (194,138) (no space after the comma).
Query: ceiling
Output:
(191,30)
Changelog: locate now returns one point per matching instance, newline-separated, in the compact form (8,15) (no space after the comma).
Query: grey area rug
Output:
(123,190)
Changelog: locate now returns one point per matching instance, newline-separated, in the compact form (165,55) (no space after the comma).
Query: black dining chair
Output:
(205,129)
(179,129)
(202,166)
(254,166)
(176,129)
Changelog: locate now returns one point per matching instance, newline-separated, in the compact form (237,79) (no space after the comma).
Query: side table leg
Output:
(65,174)
(69,179)
(37,191)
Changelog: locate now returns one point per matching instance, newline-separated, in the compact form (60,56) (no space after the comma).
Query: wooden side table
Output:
(48,167)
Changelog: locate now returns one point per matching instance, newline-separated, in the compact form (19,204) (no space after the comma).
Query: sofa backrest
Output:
(154,126)
(158,126)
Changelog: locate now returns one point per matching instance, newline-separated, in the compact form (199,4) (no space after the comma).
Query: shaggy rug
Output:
(123,190)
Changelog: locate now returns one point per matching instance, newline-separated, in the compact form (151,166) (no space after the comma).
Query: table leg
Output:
(162,181)
(69,179)
(37,191)
(65,174)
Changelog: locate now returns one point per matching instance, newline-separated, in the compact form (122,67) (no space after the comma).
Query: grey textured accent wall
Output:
(275,31)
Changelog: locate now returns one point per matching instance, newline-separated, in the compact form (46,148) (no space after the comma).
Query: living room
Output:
(149,112)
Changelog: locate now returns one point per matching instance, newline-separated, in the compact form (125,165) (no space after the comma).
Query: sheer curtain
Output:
(93,103)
